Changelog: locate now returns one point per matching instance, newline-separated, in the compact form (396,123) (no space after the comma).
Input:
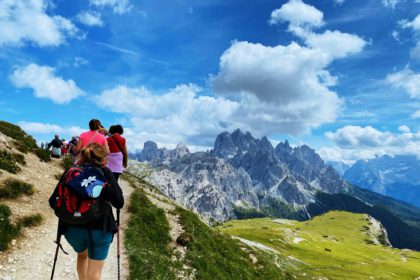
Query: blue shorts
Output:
(80,241)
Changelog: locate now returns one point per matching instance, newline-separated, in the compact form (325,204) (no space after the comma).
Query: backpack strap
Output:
(116,142)
(91,138)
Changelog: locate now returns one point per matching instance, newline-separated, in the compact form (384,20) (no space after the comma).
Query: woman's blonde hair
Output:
(94,153)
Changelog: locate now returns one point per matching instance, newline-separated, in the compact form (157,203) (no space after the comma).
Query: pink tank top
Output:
(92,137)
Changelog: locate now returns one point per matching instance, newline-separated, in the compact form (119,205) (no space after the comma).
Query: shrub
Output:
(67,162)
(43,155)
(19,158)
(242,213)
(7,230)
(8,162)
(13,188)
(30,221)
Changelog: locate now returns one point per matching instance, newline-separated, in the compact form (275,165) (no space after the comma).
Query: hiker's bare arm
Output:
(125,156)
(106,147)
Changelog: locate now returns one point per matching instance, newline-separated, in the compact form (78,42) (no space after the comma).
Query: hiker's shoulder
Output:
(86,134)
(117,137)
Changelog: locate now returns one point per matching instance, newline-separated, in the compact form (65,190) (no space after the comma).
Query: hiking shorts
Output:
(80,241)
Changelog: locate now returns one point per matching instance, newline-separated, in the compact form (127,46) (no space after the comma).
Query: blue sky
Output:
(342,76)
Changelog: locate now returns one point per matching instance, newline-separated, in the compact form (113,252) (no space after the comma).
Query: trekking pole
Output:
(118,242)
(56,250)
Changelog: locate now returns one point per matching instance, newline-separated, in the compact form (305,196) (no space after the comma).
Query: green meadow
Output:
(336,245)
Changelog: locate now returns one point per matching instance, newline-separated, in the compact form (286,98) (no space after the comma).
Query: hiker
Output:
(56,147)
(42,145)
(92,240)
(92,136)
(118,157)
(64,148)
(72,145)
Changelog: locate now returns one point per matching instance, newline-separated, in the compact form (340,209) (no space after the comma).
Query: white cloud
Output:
(281,88)
(45,84)
(335,43)
(46,128)
(339,2)
(396,35)
(177,115)
(90,18)
(355,142)
(298,14)
(407,80)
(28,22)
(390,3)
(415,24)
(303,18)
(356,136)
(118,6)
(80,61)
(404,128)
(415,52)
(416,115)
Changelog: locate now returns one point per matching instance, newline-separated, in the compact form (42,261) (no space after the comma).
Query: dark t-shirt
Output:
(56,143)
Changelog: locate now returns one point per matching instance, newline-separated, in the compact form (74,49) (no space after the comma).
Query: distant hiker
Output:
(56,144)
(64,148)
(118,156)
(92,136)
(72,145)
(78,213)
(42,145)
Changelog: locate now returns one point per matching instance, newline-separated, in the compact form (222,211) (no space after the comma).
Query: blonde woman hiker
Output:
(87,220)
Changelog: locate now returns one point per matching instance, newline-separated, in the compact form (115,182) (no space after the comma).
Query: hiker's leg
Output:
(95,269)
(82,265)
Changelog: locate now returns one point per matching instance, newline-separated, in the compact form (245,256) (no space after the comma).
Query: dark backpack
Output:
(77,198)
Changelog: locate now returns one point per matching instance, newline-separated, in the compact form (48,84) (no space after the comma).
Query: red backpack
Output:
(73,207)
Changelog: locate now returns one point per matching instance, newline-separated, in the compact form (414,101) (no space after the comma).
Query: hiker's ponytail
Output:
(94,153)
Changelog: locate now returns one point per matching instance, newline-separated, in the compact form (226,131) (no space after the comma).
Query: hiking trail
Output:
(31,256)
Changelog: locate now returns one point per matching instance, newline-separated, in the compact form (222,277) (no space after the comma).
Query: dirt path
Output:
(31,256)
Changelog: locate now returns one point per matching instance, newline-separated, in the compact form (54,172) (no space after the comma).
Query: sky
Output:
(342,76)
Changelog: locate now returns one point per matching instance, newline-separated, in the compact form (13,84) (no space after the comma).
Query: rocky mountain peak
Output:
(229,145)
(182,148)
(224,147)
(150,145)
(150,152)
(309,156)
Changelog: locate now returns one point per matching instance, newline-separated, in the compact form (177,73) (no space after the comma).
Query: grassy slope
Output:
(210,254)
(214,255)
(341,232)
(147,240)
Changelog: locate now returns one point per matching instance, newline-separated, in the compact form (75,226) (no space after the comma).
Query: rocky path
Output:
(31,256)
